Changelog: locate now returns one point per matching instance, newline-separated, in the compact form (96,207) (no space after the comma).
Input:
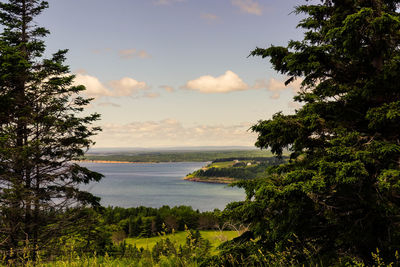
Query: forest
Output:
(335,201)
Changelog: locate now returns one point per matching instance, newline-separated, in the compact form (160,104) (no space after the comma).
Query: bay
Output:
(157,184)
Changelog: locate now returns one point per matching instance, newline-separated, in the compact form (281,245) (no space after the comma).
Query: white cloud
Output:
(127,86)
(133,53)
(248,6)
(118,88)
(94,88)
(166,2)
(170,132)
(276,87)
(225,83)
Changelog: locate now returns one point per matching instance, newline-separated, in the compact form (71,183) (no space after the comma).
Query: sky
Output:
(173,73)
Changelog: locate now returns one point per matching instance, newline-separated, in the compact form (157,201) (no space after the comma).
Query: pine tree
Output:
(339,195)
(41,133)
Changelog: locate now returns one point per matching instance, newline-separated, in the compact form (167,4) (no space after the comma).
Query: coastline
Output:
(210,180)
(132,162)
(114,161)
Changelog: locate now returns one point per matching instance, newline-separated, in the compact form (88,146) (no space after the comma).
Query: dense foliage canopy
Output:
(340,193)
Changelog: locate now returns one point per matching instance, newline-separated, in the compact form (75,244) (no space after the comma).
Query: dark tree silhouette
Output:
(41,133)
(340,193)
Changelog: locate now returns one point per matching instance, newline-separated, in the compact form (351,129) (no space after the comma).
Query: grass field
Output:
(223,164)
(215,237)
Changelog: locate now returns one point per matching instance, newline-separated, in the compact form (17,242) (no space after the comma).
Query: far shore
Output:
(210,180)
(131,162)
(114,161)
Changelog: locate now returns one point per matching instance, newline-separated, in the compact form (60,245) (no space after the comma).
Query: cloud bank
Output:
(170,132)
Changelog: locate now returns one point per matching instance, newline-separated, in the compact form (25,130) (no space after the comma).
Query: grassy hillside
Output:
(226,171)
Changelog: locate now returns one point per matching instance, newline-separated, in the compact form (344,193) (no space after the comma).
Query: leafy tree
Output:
(157,224)
(340,192)
(41,132)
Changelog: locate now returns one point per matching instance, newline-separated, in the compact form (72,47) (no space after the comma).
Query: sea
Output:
(158,184)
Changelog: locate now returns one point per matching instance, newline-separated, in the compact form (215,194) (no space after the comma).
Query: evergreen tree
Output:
(340,193)
(41,133)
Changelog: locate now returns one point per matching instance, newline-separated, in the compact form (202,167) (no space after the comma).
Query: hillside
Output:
(226,171)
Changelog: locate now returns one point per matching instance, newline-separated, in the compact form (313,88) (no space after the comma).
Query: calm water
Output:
(158,184)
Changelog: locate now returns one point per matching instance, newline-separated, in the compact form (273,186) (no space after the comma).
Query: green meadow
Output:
(179,238)
(223,164)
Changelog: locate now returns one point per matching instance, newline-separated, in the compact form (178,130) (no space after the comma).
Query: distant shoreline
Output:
(114,161)
(133,162)
(210,180)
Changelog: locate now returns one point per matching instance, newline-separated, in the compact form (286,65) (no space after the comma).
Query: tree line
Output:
(147,222)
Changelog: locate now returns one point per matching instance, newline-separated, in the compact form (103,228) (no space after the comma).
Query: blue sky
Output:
(175,72)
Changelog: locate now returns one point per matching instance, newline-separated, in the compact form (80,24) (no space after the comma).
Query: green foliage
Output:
(339,193)
(148,222)
(236,169)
